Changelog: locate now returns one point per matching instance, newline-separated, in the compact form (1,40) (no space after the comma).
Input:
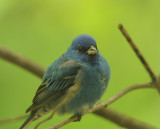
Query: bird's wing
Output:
(57,84)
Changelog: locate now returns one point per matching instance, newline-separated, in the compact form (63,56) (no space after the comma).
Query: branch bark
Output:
(123,120)
(113,116)
(139,55)
(120,94)
(14,119)
(21,61)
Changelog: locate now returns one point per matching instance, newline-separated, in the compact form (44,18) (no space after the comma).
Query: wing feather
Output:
(52,89)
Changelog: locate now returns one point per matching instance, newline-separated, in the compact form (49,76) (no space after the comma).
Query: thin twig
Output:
(21,61)
(137,51)
(67,121)
(104,104)
(14,119)
(120,94)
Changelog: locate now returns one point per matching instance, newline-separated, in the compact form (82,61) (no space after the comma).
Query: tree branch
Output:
(114,116)
(123,120)
(120,94)
(21,61)
(139,54)
(67,121)
(14,119)
(100,108)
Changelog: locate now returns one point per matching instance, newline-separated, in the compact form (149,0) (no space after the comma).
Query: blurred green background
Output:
(43,30)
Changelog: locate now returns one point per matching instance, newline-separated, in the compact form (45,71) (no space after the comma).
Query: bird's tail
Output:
(29,120)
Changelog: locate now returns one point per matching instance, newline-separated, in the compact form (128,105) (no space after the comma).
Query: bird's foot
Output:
(79,116)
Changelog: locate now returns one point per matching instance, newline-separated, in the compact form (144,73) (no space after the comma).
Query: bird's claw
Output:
(79,116)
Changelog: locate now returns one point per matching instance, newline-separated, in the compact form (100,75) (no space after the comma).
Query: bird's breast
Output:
(93,84)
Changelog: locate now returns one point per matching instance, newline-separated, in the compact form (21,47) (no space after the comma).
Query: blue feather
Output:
(81,57)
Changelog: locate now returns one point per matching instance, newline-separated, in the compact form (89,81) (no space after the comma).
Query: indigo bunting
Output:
(81,66)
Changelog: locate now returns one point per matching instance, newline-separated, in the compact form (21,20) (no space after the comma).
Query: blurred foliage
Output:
(43,30)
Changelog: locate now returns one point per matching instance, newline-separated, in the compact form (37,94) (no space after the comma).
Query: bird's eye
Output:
(80,49)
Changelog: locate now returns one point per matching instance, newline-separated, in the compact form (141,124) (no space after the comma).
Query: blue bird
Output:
(81,66)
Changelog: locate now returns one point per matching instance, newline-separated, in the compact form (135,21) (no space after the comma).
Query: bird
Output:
(81,67)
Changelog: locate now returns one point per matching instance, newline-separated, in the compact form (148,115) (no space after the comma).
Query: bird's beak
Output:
(92,50)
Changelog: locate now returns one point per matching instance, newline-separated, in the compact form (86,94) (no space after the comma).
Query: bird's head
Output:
(84,47)
(85,44)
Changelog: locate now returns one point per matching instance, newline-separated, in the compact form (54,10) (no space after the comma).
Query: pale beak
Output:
(92,50)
